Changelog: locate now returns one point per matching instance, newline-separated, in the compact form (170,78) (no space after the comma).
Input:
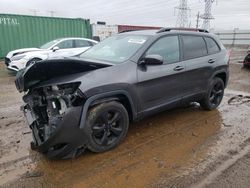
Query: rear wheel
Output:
(214,95)
(107,125)
(32,61)
(246,66)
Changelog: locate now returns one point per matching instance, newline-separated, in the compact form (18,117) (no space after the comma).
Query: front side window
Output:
(49,44)
(167,47)
(193,47)
(116,49)
(65,44)
(82,43)
(212,46)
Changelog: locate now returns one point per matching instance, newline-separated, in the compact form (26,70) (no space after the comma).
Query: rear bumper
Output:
(66,141)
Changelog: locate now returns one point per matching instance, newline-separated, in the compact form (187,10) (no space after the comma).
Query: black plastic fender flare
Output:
(224,71)
(90,100)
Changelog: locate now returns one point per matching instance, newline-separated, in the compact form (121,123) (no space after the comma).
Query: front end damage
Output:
(54,105)
(53,113)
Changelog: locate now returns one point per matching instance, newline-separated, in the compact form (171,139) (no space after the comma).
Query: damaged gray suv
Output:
(88,102)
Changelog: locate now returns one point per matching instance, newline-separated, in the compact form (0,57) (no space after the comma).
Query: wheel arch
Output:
(121,96)
(33,58)
(222,74)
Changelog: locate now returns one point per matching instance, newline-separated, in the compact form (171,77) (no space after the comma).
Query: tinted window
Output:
(167,47)
(194,46)
(212,46)
(82,43)
(65,44)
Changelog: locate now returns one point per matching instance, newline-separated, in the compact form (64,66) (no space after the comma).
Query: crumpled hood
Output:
(20,51)
(52,69)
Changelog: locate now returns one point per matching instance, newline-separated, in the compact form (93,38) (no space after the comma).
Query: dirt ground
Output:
(186,147)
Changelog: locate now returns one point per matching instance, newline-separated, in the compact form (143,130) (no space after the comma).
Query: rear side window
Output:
(82,43)
(65,44)
(212,46)
(193,47)
(167,47)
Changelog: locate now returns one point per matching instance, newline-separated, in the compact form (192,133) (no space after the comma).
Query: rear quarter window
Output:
(82,43)
(212,46)
(193,46)
(65,44)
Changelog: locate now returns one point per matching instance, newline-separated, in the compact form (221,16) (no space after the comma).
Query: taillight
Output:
(229,55)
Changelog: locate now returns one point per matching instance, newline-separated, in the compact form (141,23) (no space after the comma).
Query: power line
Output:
(182,17)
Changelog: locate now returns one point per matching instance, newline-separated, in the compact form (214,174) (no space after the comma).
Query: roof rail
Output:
(166,29)
(124,31)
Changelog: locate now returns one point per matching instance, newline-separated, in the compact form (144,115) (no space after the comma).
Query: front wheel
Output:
(214,95)
(32,61)
(107,125)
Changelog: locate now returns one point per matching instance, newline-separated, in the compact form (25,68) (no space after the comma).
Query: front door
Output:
(66,49)
(161,85)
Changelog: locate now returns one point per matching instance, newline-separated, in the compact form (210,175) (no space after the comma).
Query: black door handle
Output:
(178,68)
(211,60)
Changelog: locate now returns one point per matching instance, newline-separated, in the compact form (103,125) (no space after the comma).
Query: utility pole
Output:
(198,19)
(51,13)
(182,16)
(207,16)
(34,11)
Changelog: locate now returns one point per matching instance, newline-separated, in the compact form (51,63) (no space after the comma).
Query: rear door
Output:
(161,85)
(199,65)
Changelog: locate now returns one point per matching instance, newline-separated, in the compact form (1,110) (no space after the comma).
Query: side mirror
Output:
(55,48)
(152,60)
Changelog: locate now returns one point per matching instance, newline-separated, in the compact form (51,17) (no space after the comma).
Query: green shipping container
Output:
(19,31)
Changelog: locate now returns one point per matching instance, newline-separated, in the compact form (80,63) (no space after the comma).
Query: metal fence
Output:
(234,37)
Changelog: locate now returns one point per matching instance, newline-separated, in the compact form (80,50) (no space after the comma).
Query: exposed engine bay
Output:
(46,106)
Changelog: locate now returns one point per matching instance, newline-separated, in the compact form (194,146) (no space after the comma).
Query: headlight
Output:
(17,57)
(18,53)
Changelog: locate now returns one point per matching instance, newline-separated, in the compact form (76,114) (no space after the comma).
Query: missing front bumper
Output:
(66,141)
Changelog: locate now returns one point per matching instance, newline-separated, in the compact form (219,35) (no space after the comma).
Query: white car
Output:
(64,47)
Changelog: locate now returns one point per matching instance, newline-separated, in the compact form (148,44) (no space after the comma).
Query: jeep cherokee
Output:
(89,101)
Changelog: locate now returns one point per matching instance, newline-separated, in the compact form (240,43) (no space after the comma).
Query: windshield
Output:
(49,44)
(116,49)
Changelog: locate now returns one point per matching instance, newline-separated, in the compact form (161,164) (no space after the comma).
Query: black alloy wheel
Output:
(107,125)
(107,128)
(214,95)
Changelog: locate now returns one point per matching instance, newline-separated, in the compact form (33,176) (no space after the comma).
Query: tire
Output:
(106,125)
(32,61)
(245,66)
(214,94)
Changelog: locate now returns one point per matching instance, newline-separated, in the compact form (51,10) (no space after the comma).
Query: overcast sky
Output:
(228,14)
